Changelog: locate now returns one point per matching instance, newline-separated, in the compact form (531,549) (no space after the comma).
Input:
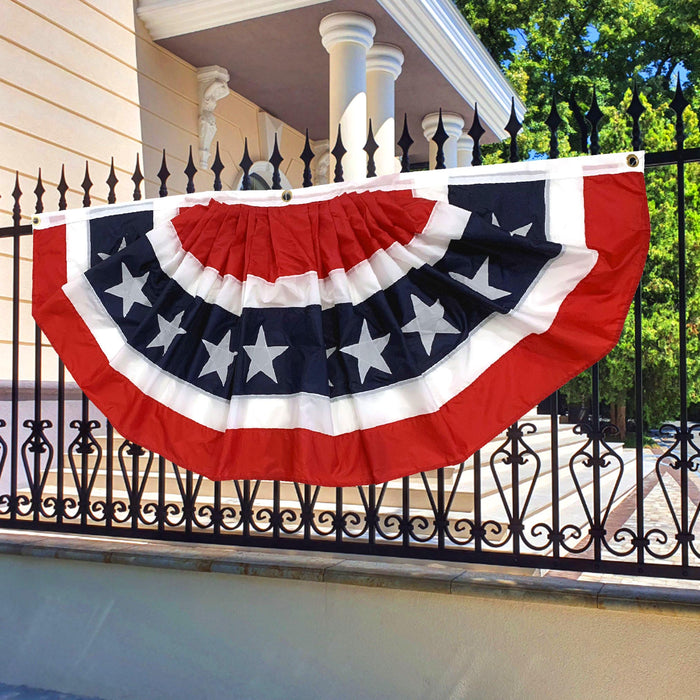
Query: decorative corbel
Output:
(213,86)
(321,164)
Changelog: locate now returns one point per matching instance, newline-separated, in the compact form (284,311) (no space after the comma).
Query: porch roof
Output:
(273,52)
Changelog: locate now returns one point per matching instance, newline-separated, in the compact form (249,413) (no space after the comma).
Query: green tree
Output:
(565,50)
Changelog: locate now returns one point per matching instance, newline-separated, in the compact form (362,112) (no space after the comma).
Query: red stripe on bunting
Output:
(272,242)
(586,328)
(49,266)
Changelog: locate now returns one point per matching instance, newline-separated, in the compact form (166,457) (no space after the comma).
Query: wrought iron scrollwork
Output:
(135,483)
(350,523)
(329,522)
(595,455)
(675,464)
(455,528)
(83,445)
(169,514)
(4,498)
(516,453)
(38,445)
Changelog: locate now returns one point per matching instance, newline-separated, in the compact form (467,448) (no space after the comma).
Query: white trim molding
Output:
(168,18)
(444,36)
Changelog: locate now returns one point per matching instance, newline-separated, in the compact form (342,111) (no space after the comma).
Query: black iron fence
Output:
(545,494)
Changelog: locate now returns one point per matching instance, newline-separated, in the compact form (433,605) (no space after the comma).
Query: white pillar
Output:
(347,36)
(453,124)
(384,63)
(465,150)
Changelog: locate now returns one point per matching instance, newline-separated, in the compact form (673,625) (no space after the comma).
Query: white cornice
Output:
(167,18)
(442,33)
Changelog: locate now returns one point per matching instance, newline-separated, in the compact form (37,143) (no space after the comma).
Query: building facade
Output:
(102,82)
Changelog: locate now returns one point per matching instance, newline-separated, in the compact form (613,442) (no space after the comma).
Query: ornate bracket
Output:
(213,86)
(321,165)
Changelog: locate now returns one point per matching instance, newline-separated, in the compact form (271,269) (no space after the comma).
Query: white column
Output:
(384,63)
(347,36)
(453,124)
(465,150)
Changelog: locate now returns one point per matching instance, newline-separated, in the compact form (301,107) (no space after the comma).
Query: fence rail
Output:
(543,495)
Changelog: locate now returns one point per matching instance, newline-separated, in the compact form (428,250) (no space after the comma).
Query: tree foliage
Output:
(565,50)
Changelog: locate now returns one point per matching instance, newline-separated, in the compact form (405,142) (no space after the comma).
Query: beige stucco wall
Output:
(81,80)
(118,631)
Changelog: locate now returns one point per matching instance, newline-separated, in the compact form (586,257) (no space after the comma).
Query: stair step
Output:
(542,495)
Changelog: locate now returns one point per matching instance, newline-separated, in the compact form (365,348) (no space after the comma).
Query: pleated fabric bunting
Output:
(354,334)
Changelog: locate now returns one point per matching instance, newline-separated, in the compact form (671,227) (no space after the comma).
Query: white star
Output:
(368,352)
(220,357)
(262,356)
(522,231)
(329,352)
(104,256)
(429,321)
(168,330)
(480,282)
(130,290)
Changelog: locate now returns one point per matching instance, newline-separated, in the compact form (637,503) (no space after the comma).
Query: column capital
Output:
(386,57)
(351,27)
(465,149)
(465,141)
(453,124)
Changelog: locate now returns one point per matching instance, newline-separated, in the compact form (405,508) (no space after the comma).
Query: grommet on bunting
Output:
(632,160)
(287,196)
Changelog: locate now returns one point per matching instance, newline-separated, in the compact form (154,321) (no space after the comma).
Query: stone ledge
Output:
(374,572)
(49,390)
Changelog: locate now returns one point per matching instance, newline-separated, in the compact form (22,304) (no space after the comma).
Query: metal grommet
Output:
(632,160)
(35,220)
(287,196)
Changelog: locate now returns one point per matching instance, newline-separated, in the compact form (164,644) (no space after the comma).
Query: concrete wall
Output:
(118,631)
(81,80)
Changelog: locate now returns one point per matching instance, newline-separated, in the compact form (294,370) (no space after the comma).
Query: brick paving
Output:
(657,514)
